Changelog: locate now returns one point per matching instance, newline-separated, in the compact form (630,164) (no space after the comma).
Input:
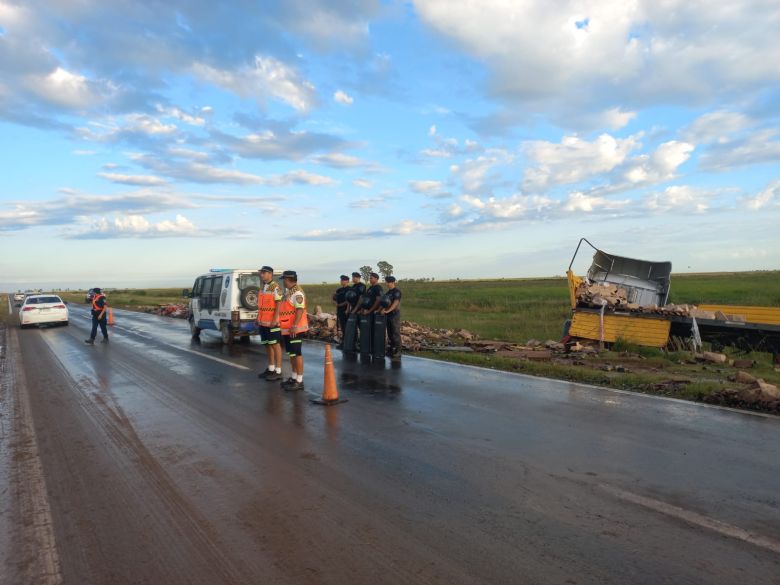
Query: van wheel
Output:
(249,297)
(227,334)
(194,329)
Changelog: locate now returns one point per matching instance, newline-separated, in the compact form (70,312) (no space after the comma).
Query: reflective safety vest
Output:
(287,316)
(266,307)
(95,306)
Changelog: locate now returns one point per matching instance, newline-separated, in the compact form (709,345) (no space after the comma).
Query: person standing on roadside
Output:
(99,317)
(372,296)
(340,298)
(293,322)
(391,303)
(268,319)
(359,289)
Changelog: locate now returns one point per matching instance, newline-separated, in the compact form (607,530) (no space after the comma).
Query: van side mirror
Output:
(185,292)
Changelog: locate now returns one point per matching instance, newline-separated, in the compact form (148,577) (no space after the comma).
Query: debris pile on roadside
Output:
(175,310)
(414,337)
(755,393)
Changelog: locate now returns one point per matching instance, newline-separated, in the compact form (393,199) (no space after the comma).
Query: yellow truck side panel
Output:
(640,330)
(766,315)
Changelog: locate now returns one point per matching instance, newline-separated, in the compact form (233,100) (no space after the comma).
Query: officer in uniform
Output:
(270,332)
(372,296)
(359,289)
(391,303)
(342,306)
(294,322)
(99,317)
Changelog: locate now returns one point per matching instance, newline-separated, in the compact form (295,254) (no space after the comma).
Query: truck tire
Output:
(248,297)
(194,329)
(227,332)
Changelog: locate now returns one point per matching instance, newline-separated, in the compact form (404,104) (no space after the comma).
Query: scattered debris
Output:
(176,310)
(716,358)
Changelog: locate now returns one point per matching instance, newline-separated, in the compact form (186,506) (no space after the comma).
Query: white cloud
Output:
(573,54)
(581,202)
(679,198)
(363,183)
(269,78)
(183,116)
(342,98)
(716,127)
(403,228)
(769,197)
(426,187)
(757,147)
(137,226)
(661,165)
(63,88)
(475,174)
(513,207)
(339,160)
(137,180)
(573,159)
(432,130)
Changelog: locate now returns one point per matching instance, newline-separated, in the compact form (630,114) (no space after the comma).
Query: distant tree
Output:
(385,268)
(365,271)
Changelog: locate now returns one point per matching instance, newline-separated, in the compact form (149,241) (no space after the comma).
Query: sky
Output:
(144,142)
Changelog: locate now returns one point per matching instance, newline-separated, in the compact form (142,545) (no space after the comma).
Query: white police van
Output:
(225,300)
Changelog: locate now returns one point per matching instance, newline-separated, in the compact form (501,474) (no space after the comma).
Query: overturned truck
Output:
(625,298)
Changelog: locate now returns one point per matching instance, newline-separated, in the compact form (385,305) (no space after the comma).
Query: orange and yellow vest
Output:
(266,305)
(287,313)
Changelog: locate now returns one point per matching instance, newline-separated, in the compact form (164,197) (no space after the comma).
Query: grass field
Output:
(506,309)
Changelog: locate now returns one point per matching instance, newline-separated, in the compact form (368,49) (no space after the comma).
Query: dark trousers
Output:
(103,329)
(341,315)
(394,333)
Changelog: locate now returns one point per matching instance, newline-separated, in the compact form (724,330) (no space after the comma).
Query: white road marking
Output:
(694,518)
(178,348)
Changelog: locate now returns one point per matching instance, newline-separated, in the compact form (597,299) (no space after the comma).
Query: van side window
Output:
(227,281)
(213,288)
(197,287)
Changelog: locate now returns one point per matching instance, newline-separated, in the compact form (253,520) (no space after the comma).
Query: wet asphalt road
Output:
(163,461)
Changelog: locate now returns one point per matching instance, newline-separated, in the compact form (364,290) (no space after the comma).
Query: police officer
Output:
(268,318)
(293,322)
(99,317)
(391,303)
(359,289)
(340,298)
(372,296)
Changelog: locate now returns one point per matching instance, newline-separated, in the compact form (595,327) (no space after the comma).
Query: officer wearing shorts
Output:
(294,322)
(270,332)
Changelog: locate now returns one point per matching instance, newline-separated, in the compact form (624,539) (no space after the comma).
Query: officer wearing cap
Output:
(358,289)
(268,320)
(293,322)
(372,296)
(391,306)
(99,318)
(340,298)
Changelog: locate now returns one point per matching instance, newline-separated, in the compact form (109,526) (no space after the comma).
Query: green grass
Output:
(506,309)
(133,298)
(4,307)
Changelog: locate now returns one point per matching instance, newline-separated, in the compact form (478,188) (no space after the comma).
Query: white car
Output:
(18,299)
(43,309)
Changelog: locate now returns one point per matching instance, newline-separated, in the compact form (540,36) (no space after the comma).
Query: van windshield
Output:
(246,280)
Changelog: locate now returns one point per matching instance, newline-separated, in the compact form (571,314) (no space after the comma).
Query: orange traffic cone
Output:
(330,394)
(110,317)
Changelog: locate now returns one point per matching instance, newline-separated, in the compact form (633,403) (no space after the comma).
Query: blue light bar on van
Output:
(221,270)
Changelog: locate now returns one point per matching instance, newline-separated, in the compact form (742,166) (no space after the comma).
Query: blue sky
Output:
(145,142)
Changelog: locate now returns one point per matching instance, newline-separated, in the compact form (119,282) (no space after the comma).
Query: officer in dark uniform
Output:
(342,306)
(99,317)
(372,296)
(391,307)
(359,289)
